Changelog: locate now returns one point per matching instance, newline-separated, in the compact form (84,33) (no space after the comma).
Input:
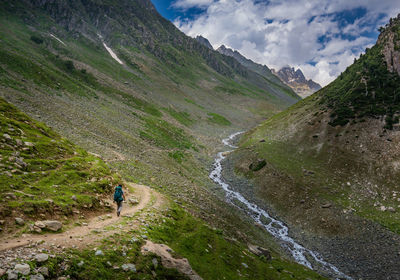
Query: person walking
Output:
(119,197)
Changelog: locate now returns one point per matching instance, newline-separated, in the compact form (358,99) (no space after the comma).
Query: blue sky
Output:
(321,37)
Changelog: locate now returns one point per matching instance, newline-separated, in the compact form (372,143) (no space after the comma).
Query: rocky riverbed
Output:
(369,251)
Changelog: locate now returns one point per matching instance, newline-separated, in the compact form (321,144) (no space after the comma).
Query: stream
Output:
(275,227)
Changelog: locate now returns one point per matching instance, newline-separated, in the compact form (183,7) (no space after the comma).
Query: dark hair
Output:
(120,185)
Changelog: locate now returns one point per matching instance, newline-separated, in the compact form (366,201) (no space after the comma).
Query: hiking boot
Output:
(118,213)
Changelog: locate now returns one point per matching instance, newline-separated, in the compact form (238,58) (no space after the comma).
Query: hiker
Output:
(119,197)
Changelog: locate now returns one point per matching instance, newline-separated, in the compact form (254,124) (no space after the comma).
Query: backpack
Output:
(118,194)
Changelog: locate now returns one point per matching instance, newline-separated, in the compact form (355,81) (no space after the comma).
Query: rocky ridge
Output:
(297,81)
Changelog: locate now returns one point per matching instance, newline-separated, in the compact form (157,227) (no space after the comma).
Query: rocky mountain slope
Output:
(262,70)
(204,41)
(332,169)
(296,80)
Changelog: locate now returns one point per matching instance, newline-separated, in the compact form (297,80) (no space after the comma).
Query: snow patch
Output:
(57,39)
(113,55)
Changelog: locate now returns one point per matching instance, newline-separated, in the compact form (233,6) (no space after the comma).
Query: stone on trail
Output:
(2,272)
(41,257)
(128,267)
(24,269)
(52,225)
(39,224)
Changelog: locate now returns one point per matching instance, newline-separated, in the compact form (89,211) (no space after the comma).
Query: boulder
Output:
(52,225)
(257,165)
(2,272)
(41,257)
(23,268)
(19,221)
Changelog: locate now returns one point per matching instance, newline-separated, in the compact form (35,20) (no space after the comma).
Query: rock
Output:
(21,162)
(382,208)
(19,142)
(41,257)
(24,269)
(39,224)
(260,251)
(29,144)
(62,278)
(245,265)
(2,272)
(52,225)
(7,137)
(327,205)
(133,201)
(37,277)
(10,196)
(81,263)
(43,270)
(391,209)
(99,253)
(2,222)
(155,262)
(12,275)
(128,267)
(19,221)
(74,198)
(258,165)
(262,140)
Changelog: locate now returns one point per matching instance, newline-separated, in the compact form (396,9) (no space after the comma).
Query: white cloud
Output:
(186,4)
(301,33)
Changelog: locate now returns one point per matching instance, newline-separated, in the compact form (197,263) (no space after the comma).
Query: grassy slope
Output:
(341,135)
(41,171)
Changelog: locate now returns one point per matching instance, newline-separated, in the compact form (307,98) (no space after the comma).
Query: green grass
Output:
(165,135)
(205,247)
(47,172)
(182,117)
(218,119)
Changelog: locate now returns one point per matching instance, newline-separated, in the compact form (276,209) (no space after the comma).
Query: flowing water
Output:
(275,227)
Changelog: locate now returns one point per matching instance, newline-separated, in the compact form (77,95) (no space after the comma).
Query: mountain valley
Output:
(97,93)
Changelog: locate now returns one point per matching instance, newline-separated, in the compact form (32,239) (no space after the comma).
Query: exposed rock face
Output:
(297,81)
(262,70)
(204,42)
(391,45)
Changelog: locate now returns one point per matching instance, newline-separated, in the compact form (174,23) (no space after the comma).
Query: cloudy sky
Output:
(321,37)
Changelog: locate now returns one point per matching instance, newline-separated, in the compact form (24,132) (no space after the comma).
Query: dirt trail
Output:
(96,228)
